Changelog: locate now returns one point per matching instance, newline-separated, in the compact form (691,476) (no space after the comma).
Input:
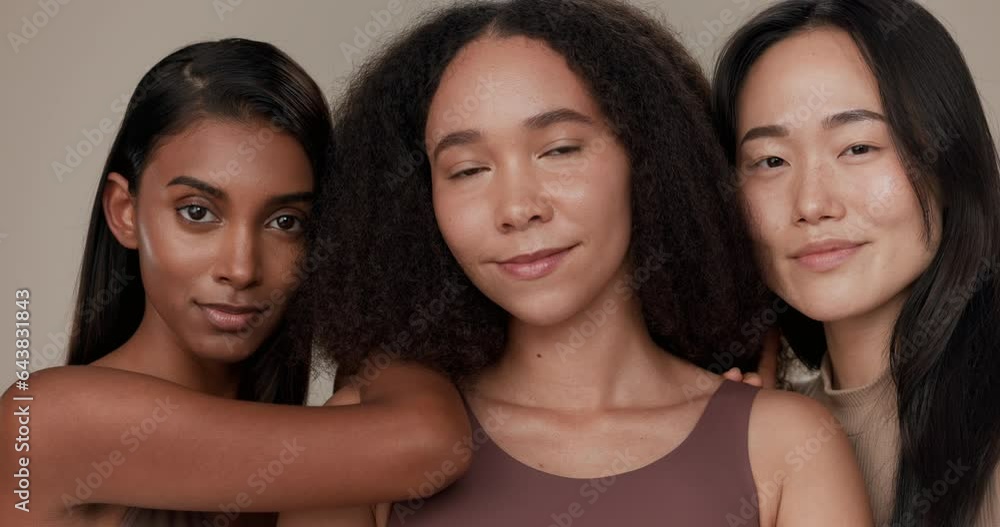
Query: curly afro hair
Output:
(390,282)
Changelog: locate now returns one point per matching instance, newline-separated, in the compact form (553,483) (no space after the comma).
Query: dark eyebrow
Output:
(285,199)
(851,116)
(462,137)
(217,193)
(542,120)
(559,115)
(773,130)
(198,184)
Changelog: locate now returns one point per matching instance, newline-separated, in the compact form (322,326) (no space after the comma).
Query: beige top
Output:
(868,415)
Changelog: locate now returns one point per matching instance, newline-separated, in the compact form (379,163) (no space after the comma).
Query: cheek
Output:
(767,220)
(462,226)
(171,260)
(886,200)
(601,202)
(281,262)
(764,213)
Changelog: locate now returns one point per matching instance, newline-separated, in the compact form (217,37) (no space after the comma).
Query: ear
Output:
(119,210)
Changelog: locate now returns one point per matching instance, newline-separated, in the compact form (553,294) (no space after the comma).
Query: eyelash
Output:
(467,173)
(299,222)
(189,219)
(760,162)
(562,151)
(870,149)
(185,214)
(557,152)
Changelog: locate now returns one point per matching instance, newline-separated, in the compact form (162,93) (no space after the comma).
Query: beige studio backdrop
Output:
(69,66)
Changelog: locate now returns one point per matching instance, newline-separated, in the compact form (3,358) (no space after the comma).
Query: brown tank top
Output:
(705,482)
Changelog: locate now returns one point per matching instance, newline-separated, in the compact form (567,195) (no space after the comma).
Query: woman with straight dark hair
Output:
(186,322)
(547,170)
(865,162)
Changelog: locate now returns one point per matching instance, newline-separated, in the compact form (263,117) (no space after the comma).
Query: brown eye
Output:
(860,149)
(287,223)
(196,214)
(771,162)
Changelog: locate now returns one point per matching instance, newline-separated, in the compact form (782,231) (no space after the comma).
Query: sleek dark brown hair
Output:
(231,79)
(394,285)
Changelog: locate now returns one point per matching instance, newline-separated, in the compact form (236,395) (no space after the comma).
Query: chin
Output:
(227,348)
(547,309)
(825,308)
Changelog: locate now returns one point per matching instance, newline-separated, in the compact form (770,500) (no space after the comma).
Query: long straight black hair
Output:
(944,354)
(231,79)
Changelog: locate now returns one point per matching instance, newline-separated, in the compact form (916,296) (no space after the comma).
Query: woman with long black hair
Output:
(867,168)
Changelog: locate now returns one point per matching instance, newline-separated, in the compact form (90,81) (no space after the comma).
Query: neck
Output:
(859,346)
(601,357)
(154,350)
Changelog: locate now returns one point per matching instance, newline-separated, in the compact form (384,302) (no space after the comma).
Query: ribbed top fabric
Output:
(868,415)
(705,481)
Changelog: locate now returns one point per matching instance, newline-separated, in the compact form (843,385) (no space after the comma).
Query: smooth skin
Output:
(536,167)
(155,423)
(819,182)
(834,174)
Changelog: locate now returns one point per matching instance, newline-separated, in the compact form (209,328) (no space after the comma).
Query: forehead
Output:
(232,156)
(806,77)
(496,81)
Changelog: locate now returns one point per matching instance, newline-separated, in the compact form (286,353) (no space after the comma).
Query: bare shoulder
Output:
(791,435)
(793,441)
(69,395)
(787,418)
(55,381)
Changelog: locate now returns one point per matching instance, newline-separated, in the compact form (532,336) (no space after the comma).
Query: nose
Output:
(521,199)
(238,262)
(815,195)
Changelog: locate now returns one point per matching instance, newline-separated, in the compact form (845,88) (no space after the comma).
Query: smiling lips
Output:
(534,265)
(230,318)
(826,255)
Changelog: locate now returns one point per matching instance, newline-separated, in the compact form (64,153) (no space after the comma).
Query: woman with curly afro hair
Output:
(530,202)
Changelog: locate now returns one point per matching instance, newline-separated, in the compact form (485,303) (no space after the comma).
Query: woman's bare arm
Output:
(353,516)
(804,466)
(100,435)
